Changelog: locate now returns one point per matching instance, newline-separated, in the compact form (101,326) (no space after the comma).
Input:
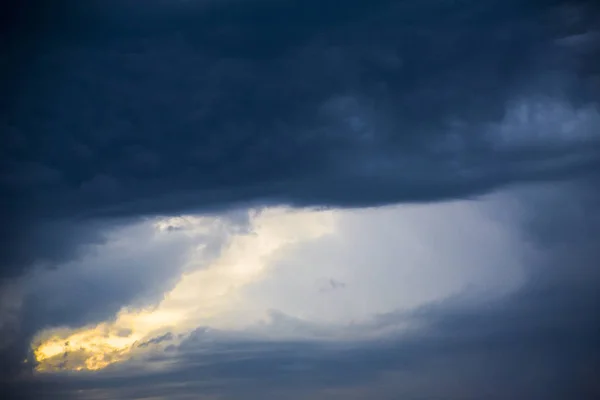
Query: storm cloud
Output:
(116,115)
(120,110)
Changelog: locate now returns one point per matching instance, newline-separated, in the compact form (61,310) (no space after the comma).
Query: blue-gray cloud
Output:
(118,112)
(124,111)
(540,342)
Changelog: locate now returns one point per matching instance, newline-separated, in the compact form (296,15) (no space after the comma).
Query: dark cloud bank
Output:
(113,112)
(117,110)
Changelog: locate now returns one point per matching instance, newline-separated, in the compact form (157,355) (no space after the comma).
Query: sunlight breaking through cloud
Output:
(304,274)
(201,296)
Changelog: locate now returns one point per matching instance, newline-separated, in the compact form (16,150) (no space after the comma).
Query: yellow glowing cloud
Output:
(201,297)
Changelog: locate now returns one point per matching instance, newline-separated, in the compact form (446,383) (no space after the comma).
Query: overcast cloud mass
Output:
(266,199)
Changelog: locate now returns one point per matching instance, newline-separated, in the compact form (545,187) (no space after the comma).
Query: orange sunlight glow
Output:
(203,296)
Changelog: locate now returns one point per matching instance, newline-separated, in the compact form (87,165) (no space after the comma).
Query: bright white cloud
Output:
(330,268)
(385,259)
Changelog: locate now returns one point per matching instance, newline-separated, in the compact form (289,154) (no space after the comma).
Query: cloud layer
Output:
(287,274)
(129,111)
(148,150)
(537,340)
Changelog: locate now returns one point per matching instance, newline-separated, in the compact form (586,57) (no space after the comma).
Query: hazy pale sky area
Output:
(284,199)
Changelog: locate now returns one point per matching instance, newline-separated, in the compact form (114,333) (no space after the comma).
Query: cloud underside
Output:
(201,106)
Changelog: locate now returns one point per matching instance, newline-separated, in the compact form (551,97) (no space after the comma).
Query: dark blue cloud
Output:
(115,112)
(123,110)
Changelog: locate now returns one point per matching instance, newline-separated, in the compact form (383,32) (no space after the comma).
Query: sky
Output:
(266,199)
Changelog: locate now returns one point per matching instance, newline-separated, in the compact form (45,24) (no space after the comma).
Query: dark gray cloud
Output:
(114,112)
(122,110)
